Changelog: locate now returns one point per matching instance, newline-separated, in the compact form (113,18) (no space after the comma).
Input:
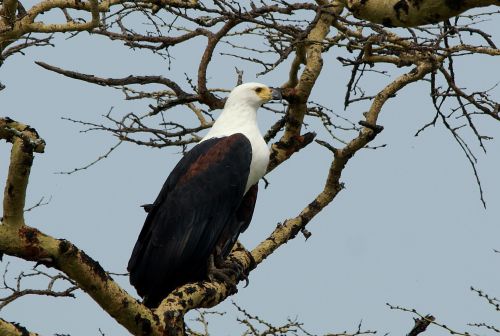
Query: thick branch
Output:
(14,329)
(8,13)
(19,240)
(40,27)
(313,66)
(408,13)
(291,142)
(27,23)
(24,141)
(11,29)
(30,244)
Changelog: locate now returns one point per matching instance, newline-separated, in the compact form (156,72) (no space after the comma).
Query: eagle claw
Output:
(225,271)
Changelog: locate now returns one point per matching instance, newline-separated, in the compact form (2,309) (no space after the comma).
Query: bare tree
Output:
(358,32)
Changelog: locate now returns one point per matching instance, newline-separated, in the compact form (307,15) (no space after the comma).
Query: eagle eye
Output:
(258,90)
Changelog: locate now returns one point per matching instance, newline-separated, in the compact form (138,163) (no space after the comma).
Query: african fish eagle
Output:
(206,202)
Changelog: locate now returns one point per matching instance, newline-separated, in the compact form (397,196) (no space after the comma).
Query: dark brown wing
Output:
(242,219)
(197,203)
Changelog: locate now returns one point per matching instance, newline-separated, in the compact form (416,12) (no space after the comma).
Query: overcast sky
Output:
(409,228)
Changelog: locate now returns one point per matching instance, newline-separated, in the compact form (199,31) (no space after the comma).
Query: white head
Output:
(240,112)
(251,94)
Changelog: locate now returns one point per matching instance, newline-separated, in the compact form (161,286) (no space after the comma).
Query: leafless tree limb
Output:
(420,53)
(16,291)
(40,203)
(427,319)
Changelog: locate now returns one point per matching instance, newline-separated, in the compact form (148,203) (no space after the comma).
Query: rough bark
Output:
(381,46)
(14,329)
(412,13)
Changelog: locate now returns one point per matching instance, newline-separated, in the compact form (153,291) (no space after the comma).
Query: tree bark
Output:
(411,13)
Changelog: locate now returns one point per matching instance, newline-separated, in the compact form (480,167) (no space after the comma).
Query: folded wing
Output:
(197,208)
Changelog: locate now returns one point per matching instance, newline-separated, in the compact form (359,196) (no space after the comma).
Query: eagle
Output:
(206,202)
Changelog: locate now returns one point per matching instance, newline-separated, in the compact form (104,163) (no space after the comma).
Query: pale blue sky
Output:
(409,228)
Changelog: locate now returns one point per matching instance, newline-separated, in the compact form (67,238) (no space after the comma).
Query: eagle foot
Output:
(225,271)
(244,276)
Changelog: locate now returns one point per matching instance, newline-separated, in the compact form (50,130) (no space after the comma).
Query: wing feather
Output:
(198,201)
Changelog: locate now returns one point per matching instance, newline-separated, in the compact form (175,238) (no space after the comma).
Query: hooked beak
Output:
(276,94)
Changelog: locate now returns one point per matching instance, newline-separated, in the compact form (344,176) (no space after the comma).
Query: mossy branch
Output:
(14,329)
(20,240)
(407,13)
(24,141)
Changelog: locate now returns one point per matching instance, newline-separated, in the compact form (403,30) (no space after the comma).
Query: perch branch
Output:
(14,329)
(407,13)
(24,141)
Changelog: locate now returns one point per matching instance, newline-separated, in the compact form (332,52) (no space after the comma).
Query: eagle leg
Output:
(224,271)
(239,271)
(244,275)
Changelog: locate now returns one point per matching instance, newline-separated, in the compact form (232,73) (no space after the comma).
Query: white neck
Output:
(235,119)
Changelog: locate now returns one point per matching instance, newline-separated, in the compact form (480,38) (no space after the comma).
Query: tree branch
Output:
(24,141)
(17,292)
(14,329)
(421,325)
(407,13)
(27,24)
(141,80)
(22,241)
(8,12)
(30,244)
(297,96)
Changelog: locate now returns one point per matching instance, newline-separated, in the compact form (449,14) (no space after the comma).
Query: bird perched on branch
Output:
(206,202)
